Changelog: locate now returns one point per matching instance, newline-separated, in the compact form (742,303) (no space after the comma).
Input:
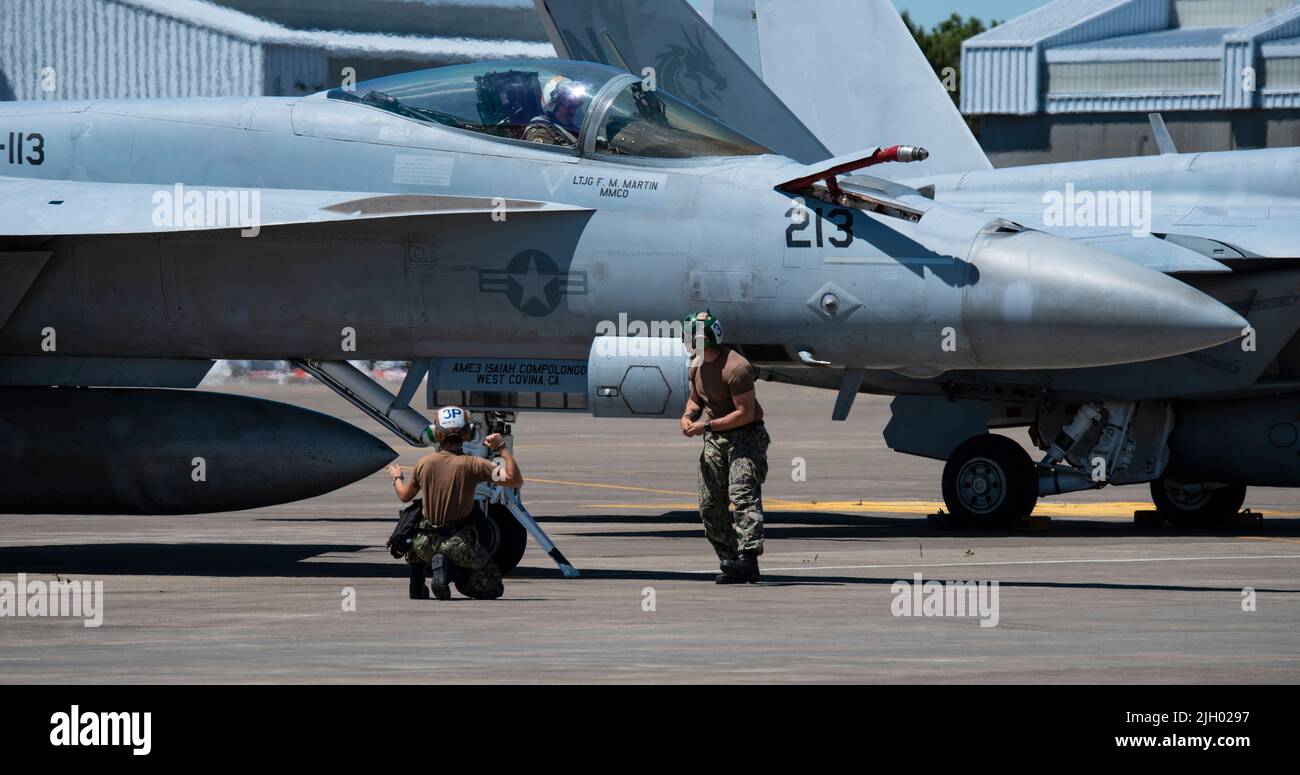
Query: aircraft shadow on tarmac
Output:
(832,526)
(780,525)
(295,561)
(291,561)
(901,572)
(220,560)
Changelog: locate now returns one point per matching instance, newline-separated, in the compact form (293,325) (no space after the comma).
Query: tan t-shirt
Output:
(714,383)
(447,484)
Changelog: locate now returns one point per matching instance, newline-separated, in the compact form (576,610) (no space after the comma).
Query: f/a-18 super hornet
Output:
(1199,426)
(510,228)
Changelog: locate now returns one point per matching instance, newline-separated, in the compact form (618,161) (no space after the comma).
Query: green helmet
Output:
(702,325)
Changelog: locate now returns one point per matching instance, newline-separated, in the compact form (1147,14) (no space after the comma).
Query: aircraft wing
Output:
(1248,239)
(48,208)
(1176,242)
(1151,251)
(690,61)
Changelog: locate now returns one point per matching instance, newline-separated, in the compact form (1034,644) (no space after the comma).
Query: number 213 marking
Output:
(840,217)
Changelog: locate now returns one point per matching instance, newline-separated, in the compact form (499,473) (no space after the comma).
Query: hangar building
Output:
(102,49)
(1076,79)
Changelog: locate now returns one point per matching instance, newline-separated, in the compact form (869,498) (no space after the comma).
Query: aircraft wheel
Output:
(503,537)
(989,482)
(1194,508)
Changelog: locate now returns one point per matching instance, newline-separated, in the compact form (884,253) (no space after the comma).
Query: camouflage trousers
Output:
(482,578)
(733,467)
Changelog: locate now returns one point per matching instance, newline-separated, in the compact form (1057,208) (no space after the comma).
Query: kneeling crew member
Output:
(724,409)
(447,534)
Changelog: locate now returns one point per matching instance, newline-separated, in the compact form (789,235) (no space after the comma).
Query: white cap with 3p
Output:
(450,419)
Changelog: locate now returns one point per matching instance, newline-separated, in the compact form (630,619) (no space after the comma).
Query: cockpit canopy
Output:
(556,103)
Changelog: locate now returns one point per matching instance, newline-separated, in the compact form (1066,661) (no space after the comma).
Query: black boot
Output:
(742,570)
(439,577)
(721,578)
(418,590)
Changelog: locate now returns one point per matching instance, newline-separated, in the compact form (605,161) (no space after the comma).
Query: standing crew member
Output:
(723,407)
(447,534)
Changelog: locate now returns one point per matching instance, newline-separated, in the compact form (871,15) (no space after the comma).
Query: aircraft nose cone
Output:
(1041,301)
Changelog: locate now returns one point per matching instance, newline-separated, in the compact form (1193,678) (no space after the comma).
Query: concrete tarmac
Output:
(259,596)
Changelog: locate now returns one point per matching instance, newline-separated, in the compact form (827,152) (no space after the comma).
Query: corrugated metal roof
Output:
(402,47)
(1039,25)
(255,30)
(1283,22)
(1196,43)
(207,15)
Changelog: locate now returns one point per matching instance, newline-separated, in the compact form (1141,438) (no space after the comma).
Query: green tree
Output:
(941,45)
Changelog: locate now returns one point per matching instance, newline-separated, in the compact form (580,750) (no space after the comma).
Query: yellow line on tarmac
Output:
(1121,509)
(1104,509)
(1110,510)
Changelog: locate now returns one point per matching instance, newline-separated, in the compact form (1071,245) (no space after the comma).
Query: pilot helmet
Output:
(702,326)
(562,92)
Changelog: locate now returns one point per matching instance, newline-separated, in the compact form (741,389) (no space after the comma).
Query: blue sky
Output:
(929,12)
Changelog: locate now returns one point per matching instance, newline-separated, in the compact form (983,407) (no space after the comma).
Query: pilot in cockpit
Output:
(563,102)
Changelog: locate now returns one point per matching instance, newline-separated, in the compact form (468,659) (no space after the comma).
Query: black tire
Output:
(989,482)
(1198,510)
(503,537)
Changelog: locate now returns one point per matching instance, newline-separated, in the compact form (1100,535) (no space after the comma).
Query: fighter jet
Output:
(1198,427)
(513,230)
